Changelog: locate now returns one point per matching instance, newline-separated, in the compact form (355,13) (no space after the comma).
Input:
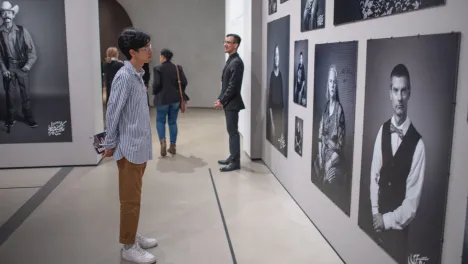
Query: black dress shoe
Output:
(230,167)
(31,123)
(224,162)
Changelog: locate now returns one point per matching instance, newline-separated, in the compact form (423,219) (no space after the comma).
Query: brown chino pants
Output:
(130,182)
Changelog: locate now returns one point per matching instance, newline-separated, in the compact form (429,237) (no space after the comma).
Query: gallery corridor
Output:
(199,215)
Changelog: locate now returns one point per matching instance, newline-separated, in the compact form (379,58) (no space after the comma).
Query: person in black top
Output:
(230,99)
(111,66)
(167,98)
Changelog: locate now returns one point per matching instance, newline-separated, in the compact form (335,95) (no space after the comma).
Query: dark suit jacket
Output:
(231,79)
(165,84)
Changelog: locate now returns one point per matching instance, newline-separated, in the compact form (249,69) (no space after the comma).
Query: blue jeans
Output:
(170,112)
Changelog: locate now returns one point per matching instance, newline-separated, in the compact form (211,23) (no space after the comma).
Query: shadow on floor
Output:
(180,164)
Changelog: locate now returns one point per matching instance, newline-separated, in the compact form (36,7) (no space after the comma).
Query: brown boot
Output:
(163,148)
(172,149)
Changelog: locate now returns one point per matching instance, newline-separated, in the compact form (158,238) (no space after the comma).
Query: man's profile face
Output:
(144,54)
(399,95)
(229,44)
(7,15)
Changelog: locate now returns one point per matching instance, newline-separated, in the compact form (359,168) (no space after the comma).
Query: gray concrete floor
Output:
(184,199)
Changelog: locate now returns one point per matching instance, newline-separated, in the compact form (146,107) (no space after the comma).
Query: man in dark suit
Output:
(230,99)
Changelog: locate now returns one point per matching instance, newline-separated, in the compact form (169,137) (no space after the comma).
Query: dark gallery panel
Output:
(407,137)
(312,14)
(298,135)
(278,83)
(333,120)
(347,11)
(35,95)
(301,67)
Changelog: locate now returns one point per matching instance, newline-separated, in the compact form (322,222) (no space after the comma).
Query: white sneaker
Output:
(145,242)
(138,255)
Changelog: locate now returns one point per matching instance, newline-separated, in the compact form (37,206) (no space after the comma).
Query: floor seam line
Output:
(17,219)
(233,255)
(20,187)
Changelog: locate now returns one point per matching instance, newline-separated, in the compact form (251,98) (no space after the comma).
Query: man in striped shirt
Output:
(128,140)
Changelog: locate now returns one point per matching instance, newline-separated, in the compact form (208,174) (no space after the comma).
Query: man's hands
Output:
(108,153)
(218,104)
(378,223)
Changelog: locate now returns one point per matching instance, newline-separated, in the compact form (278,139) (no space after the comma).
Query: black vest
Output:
(395,169)
(21,48)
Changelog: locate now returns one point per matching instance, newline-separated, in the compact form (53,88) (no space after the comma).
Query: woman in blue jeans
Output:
(167,98)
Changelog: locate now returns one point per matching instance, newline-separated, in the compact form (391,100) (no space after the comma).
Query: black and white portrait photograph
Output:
(272,6)
(35,102)
(465,241)
(347,11)
(410,91)
(301,58)
(312,14)
(333,120)
(278,83)
(298,135)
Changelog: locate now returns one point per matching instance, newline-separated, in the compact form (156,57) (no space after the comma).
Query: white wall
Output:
(85,97)
(239,20)
(354,246)
(194,31)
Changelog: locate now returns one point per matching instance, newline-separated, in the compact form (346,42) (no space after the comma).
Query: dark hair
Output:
(167,54)
(401,71)
(300,53)
(132,39)
(237,38)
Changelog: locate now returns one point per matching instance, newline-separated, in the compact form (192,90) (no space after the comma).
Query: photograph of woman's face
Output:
(332,83)
(277,58)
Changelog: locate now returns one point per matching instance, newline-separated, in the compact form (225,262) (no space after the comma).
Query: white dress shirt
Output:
(401,216)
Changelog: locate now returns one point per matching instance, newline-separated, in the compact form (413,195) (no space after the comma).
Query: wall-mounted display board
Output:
(333,120)
(312,14)
(34,93)
(278,83)
(347,11)
(410,91)
(301,67)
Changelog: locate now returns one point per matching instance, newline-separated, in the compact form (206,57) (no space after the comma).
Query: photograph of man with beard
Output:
(299,133)
(18,55)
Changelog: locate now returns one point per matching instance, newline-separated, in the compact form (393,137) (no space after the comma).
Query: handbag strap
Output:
(180,84)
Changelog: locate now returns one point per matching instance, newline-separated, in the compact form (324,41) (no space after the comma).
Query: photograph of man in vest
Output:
(397,170)
(18,55)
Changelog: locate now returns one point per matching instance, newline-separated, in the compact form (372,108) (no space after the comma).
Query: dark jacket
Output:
(146,76)
(165,84)
(231,79)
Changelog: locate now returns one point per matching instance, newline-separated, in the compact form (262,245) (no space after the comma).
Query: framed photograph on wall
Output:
(333,120)
(347,11)
(301,67)
(35,96)
(272,7)
(298,135)
(411,85)
(312,14)
(277,89)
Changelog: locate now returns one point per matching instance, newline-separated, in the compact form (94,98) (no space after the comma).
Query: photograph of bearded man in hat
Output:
(17,57)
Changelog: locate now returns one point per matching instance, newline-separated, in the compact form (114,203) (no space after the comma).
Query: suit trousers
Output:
(232,124)
(130,182)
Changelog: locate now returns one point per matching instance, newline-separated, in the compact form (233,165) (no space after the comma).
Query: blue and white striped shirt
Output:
(127,117)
